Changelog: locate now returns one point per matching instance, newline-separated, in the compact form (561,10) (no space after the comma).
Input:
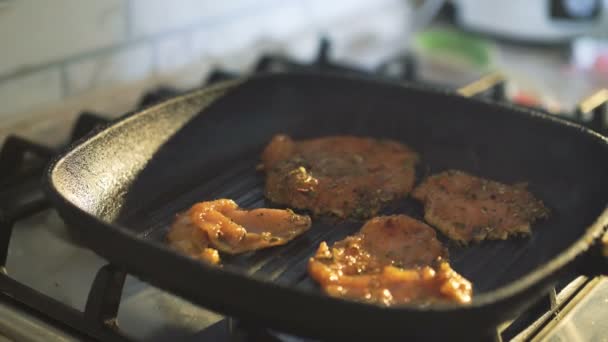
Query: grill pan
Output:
(120,187)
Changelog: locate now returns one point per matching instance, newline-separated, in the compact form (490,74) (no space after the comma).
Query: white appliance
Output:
(531,20)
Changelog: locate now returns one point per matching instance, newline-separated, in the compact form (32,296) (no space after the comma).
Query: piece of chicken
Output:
(392,260)
(468,208)
(344,176)
(221,225)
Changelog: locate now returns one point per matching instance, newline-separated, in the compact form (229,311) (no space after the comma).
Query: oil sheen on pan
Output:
(221,225)
(467,208)
(344,176)
(392,260)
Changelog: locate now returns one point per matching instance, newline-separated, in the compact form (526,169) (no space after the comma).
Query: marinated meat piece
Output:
(397,240)
(392,260)
(343,175)
(188,239)
(396,286)
(468,208)
(222,225)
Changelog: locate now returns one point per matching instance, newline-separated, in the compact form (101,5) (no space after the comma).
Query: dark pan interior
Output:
(214,156)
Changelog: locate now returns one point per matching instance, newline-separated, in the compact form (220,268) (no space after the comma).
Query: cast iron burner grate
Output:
(22,163)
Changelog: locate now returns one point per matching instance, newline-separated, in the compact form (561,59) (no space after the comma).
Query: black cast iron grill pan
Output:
(119,189)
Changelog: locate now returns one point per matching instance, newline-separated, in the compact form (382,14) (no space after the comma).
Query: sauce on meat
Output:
(343,176)
(221,225)
(392,260)
(468,208)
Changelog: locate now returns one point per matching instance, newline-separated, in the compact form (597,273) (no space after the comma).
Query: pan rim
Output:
(543,271)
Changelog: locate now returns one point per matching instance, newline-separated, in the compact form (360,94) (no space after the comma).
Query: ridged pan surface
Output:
(139,173)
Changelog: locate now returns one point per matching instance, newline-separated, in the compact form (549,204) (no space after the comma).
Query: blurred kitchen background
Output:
(62,56)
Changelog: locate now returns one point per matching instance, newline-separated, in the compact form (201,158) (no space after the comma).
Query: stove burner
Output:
(23,161)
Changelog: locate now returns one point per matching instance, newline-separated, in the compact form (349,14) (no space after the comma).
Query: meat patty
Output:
(341,175)
(392,260)
(468,208)
(221,225)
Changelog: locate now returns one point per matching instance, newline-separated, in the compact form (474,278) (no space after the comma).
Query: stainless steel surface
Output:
(565,294)
(583,319)
(18,325)
(43,256)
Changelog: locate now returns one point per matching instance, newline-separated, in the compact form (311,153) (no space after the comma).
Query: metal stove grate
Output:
(22,163)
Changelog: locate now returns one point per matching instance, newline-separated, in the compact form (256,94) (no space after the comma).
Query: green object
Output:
(454,47)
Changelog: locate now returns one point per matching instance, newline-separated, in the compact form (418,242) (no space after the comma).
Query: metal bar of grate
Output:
(219,75)
(86,122)
(14,153)
(54,310)
(26,200)
(104,298)
(6,225)
(157,95)
(493,83)
(595,105)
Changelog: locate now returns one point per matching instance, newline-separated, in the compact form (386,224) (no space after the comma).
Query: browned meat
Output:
(342,175)
(393,260)
(222,225)
(468,208)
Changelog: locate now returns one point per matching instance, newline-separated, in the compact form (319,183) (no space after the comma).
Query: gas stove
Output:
(51,288)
